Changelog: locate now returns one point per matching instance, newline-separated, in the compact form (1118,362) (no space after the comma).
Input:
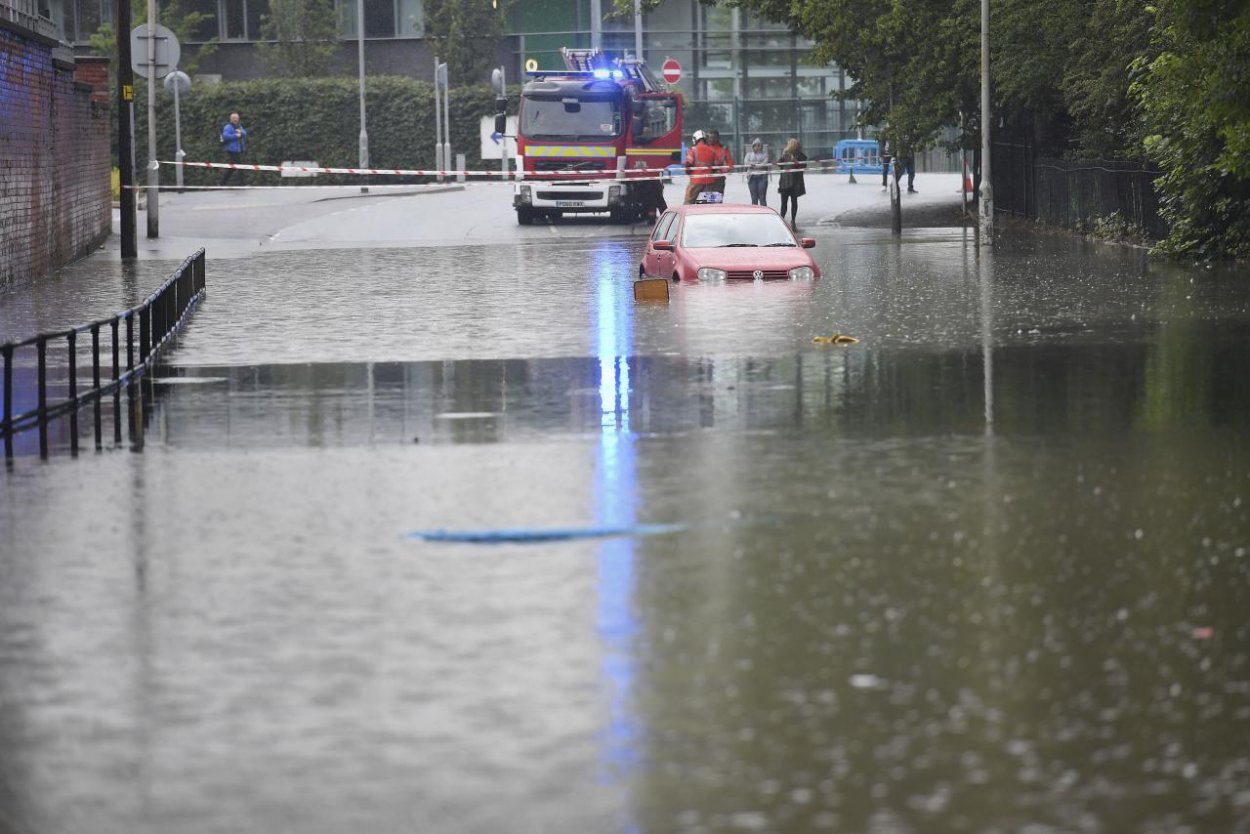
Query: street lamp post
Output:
(987,191)
(638,29)
(364,134)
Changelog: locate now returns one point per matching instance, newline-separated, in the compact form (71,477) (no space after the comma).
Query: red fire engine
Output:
(609,119)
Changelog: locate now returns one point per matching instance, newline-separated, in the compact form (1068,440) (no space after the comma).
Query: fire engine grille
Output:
(766,274)
(570,195)
(565,165)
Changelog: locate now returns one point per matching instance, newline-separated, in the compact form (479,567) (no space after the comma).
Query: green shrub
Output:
(316,119)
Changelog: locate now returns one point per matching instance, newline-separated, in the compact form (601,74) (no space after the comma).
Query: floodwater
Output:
(983,571)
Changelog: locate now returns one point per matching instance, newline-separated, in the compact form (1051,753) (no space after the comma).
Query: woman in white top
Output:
(757,173)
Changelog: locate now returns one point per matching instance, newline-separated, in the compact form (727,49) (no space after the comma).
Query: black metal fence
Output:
(116,360)
(1120,196)
(1013,172)
(1079,195)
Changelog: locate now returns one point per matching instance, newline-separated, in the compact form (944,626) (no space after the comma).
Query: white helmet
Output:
(698,134)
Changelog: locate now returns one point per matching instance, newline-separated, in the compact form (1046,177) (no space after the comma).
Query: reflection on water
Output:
(1060,390)
(876,614)
(615,498)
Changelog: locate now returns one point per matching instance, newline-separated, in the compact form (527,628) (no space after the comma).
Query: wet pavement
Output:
(983,571)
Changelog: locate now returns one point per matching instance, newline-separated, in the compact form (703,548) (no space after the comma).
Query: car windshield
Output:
(570,118)
(724,229)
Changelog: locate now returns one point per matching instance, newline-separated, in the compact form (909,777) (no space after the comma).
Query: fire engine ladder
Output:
(584,60)
(638,70)
(589,60)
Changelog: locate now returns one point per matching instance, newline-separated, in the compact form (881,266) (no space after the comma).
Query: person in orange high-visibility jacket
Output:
(699,161)
(724,160)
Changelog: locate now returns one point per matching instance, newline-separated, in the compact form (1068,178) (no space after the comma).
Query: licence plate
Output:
(569,203)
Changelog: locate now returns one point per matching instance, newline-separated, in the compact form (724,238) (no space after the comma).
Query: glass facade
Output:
(743,76)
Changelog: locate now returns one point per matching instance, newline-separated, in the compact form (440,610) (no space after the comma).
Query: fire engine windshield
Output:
(570,118)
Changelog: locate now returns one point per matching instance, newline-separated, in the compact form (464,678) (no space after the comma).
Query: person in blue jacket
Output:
(234,143)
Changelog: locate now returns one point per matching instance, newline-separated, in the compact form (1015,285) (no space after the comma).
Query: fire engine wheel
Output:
(524,216)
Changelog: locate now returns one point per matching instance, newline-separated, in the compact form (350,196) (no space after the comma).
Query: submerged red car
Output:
(719,242)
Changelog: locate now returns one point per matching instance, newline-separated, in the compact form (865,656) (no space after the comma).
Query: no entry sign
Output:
(671,70)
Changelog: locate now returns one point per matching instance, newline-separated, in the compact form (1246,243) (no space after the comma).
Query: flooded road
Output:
(985,570)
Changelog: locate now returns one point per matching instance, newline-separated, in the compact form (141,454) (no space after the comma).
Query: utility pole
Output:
(125,129)
(154,209)
(638,29)
(987,191)
(438,123)
(364,134)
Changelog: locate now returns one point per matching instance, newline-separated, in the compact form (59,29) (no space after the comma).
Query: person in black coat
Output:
(791,186)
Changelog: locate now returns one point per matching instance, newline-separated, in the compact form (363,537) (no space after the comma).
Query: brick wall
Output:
(55,194)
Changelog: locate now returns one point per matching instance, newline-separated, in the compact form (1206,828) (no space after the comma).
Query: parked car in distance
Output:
(712,243)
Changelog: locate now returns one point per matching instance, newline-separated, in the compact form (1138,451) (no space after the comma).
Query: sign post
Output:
(154,52)
(178,83)
(499,82)
(671,70)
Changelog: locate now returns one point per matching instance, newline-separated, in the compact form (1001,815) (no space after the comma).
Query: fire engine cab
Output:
(594,137)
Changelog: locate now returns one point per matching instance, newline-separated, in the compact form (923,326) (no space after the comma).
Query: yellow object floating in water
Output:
(651,289)
(835,339)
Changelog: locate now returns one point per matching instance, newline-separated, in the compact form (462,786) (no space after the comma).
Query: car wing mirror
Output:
(808,242)
(667,245)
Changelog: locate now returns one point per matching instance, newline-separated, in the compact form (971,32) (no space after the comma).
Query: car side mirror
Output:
(808,242)
(665,245)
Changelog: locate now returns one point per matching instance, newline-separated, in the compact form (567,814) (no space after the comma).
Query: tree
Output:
(301,38)
(1163,80)
(1195,99)
(464,33)
(913,64)
(184,23)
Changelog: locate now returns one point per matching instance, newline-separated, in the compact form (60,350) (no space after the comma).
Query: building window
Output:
(383,18)
(239,20)
(87,17)
(769,88)
(410,17)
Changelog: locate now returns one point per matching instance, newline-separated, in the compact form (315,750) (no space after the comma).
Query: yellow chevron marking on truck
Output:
(570,150)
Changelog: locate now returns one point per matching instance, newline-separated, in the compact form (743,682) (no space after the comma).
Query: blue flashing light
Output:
(603,74)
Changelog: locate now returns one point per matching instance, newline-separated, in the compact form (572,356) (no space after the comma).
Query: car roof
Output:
(723,208)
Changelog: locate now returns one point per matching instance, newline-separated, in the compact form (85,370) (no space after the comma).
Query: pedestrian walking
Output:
(757,173)
(907,162)
(234,143)
(887,154)
(907,165)
(724,161)
(791,186)
(700,160)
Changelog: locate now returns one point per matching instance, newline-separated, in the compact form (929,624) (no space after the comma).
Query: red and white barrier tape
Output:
(511,176)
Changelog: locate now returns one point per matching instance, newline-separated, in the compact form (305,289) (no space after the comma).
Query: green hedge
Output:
(315,119)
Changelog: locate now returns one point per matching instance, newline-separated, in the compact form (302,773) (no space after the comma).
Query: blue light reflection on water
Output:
(615,495)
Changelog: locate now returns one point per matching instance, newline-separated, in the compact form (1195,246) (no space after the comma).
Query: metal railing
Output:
(158,318)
